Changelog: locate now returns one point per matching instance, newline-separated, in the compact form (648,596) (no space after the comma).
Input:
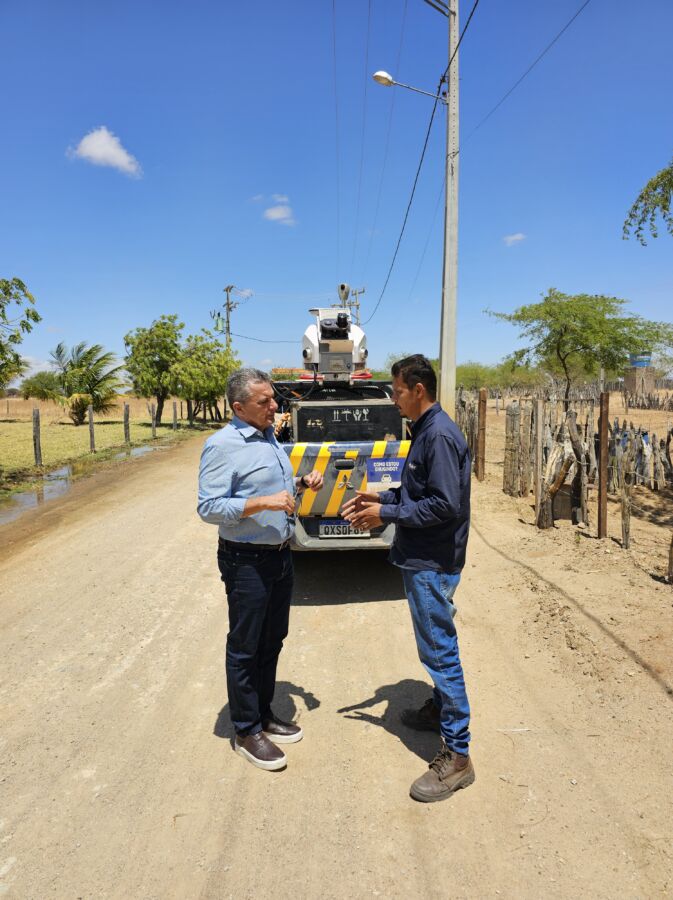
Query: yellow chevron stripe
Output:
(308,497)
(296,456)
(404,449)
(338,494)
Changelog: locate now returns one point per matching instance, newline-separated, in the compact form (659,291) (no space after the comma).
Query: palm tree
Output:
(87,375)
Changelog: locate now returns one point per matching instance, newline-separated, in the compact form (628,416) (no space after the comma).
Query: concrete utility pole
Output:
(447,339)
(355,304)
(228,307)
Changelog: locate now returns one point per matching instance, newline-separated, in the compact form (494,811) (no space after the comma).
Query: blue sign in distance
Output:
(640,360)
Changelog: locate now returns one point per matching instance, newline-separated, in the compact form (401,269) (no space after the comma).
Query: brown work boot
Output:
(281,732)
(259,750)
(424,719)
(448,772)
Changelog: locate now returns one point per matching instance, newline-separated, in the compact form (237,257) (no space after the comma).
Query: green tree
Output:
(86,375)
(202,371)
(151,354)
(42,386)
(583,331)
(17,317)
(653,201)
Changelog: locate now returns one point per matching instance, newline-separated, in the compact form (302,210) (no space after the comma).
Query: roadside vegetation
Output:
(63,443)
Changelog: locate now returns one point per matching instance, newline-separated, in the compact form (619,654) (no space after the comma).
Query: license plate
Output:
(339,528)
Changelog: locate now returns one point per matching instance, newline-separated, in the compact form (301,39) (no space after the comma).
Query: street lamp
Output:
(447,339)
(387,80)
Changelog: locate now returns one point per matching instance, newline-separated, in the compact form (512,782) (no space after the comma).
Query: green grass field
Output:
(63,443)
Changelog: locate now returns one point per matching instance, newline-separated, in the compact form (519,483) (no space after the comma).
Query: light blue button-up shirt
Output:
(239,462)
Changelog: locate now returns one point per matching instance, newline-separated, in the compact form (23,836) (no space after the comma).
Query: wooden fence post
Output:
(627,483)
(511,478)
(127,427)
(190,413)
(603,465)
(92,436)
(175,415)
(539,432)
(524,460)
(153,410)
(181,415)
(37,445)
(481,436)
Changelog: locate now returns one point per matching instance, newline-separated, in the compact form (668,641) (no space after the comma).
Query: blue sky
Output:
(217,112)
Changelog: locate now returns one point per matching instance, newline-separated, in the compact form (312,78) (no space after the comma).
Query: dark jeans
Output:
(259,589)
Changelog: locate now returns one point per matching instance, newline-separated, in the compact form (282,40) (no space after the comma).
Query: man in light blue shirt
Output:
(248,489)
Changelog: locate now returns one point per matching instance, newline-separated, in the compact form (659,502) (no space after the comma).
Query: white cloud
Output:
(266,364)
(282,214)
(280,198)
(511,239)
(257,198)
(101,147)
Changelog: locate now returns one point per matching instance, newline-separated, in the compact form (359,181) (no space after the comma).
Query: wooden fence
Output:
(37,431)
(545,447)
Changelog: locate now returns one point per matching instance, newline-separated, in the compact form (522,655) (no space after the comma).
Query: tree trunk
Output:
(160,408)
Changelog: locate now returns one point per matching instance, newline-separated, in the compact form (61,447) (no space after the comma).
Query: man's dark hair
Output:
(416,369)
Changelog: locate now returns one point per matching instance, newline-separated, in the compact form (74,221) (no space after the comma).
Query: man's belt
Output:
(248,547)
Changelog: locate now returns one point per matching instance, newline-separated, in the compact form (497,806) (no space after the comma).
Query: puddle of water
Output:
(134,451)
(54,484)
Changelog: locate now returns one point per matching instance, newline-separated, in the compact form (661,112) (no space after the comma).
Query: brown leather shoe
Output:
(259,750)
(424,719)
(281,732)
(448,772)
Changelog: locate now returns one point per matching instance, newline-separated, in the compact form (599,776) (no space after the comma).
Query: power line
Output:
(420,163)
(246,337)
(386,148)
(362,145)
(336,116)
(427,240)
(526,73)
(460,39)
(406,214)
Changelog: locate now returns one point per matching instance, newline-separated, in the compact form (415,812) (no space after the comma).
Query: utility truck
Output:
(337,419)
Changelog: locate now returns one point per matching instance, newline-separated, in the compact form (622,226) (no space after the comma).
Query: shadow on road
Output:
(284,707)
(399,696)
(333,577)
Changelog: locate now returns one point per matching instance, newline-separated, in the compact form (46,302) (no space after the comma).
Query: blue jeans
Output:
(259,590)
(432,612)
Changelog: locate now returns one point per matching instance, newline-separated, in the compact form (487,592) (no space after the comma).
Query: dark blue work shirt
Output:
(431,508)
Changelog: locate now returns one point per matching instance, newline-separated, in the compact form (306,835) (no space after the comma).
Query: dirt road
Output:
(118,779)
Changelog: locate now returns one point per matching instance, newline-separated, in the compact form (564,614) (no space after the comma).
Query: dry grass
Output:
(62,441)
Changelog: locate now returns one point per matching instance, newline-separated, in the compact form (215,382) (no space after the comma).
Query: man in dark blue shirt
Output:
(431,511)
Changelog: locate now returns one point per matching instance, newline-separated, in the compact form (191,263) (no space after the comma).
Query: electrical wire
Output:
(336,116)
(420,163)
(246,337)
(462,35)
(525,74)
(385,149)
(427,240)
(362,140)
(406,214)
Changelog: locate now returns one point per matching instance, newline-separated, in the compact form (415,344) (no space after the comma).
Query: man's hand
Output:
(367,517)
(356,503)
(314,480)
(282,501)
